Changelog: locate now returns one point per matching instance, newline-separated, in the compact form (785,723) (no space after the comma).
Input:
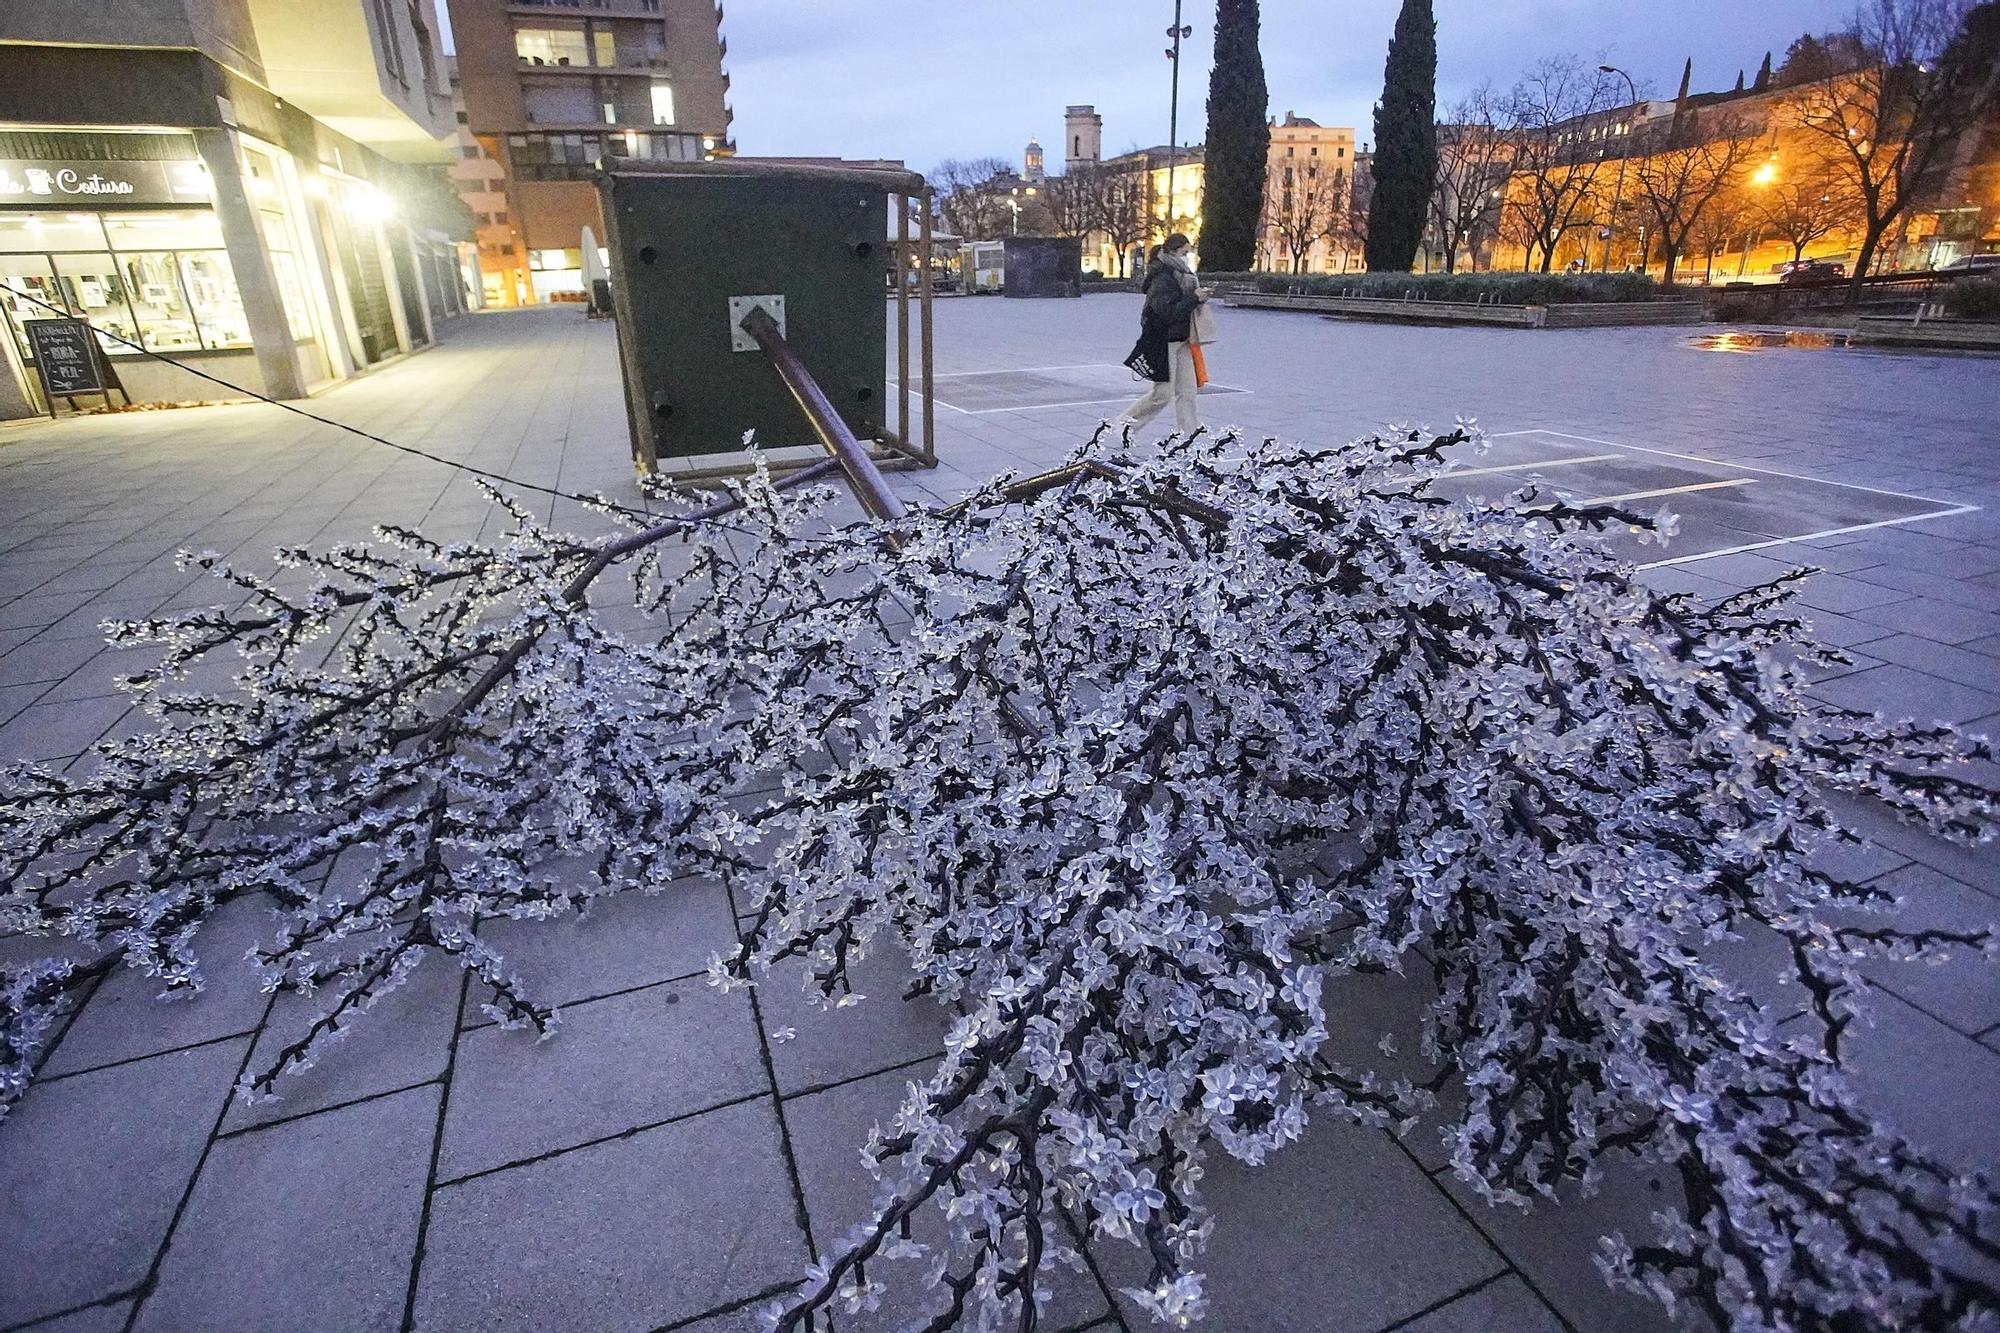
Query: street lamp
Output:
(1178,31)
(1015,204)
(1618,190)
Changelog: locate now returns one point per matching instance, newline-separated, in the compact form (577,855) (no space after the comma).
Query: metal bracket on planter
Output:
(739,306)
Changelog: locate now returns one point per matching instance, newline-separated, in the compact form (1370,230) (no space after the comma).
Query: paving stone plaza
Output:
(668,1162)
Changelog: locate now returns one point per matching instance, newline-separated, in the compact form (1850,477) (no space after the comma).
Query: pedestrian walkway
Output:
(677,1155)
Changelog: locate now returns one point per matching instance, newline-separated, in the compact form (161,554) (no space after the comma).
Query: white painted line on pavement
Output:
(1811,536)
(1733,467)
(1524,467)
(1667,490)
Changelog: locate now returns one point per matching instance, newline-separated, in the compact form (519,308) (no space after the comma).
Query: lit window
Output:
(610,113)
(663,103)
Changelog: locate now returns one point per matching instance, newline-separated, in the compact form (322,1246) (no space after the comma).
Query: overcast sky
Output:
(923,80)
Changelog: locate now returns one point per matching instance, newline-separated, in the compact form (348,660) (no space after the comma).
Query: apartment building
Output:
(552,88)
(243,185)
(1308,194)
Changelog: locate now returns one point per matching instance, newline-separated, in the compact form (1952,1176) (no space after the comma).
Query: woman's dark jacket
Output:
(1169,305)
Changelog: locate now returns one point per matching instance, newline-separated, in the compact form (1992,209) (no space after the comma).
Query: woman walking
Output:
(1165,324)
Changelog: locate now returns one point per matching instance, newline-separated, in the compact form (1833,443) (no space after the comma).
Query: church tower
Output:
(1031,162)
(1083,137)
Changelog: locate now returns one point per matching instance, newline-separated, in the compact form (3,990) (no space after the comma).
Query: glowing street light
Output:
(1765,174)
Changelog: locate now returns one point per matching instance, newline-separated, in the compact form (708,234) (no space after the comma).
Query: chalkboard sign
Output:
(66,356)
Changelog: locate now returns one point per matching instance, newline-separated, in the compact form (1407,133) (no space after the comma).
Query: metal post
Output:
(1174,111)
(870,487)
(1618,191)
(902,202)
(924,318)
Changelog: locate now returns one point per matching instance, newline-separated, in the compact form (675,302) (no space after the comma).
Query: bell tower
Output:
(1083,137)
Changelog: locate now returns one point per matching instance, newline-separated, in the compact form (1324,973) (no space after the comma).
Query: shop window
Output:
(95,290)
(166,323)
(218,306)
(26,282)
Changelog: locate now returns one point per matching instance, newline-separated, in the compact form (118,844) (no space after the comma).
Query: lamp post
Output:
(1618,190)
(1178,31)
(1015,204)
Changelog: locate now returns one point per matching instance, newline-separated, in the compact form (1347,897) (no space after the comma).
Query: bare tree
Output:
(1124,214)
(970,207)
(1548,116)
(1474,154)
(1073,204)
(1696,163)
(1728,220)
(1303,206)
(1922,75)
(1810,205)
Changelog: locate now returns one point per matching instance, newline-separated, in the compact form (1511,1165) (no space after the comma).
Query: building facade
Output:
(554,87)
(1306,225)
(248,186)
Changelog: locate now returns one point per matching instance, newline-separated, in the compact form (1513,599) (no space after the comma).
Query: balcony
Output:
(385,91)
(632,64)
(587,6)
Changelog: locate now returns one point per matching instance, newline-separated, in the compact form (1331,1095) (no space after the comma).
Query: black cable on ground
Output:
(594,501)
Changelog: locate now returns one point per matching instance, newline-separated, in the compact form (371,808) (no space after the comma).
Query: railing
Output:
(1771,299)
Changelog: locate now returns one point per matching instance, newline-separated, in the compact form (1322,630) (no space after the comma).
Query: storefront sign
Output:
(65,356)
(58,182)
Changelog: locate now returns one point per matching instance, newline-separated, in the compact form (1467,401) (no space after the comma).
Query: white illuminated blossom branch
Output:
(1128,761)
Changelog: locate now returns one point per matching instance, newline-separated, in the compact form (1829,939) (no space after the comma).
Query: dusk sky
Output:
(926,81)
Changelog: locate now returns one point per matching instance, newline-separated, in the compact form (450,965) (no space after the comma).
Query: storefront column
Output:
(243,237)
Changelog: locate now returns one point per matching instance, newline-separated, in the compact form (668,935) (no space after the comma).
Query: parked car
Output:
(1809,270)
(1973,264)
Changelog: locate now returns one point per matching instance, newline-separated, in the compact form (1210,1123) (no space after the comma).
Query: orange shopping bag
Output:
(1200,364)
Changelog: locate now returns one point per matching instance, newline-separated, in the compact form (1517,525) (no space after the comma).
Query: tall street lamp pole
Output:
(1618,190)
(1178,31)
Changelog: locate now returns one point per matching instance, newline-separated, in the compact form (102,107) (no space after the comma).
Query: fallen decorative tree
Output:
(1129,759)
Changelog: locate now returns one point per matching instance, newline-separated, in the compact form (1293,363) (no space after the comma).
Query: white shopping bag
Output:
(1204,324)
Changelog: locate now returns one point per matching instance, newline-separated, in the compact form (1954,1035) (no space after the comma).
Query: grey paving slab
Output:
(100,1162)
(404,1038)
(1964,989)
(1506,1305)
(625,940)
(311,1223)
(49,731)
(125,1018)
(628,1235)
(1899,692)
(811,1045)
(1932,619)
(1955,664)
(634,1059)
(1934,1085)
(46,660)
(108,1318)
(827,1129)
(1551,1244)
(1341,1232)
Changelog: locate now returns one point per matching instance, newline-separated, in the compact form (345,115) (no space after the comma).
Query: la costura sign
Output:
(30,181)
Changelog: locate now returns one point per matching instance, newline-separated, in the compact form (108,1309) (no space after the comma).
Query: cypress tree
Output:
(1239,141)
(1763,80)
(1406,150)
